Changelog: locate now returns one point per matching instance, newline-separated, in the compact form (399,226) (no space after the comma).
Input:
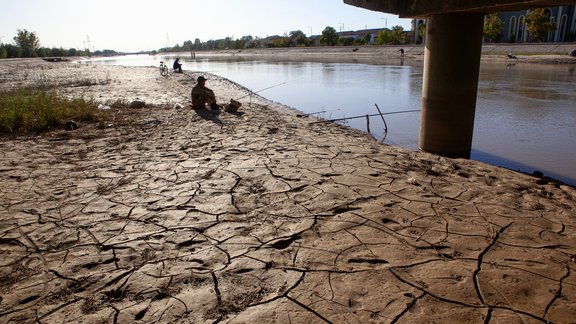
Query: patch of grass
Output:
(35,110)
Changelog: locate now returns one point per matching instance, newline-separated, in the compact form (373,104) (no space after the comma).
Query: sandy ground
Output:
(260,216)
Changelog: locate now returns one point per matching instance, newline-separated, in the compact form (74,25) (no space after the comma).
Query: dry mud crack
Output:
(196,217)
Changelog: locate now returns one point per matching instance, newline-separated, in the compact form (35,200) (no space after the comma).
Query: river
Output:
(525,115)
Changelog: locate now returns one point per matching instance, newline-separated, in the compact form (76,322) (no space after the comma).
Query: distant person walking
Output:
(201,95)
(401,52)
(177,66)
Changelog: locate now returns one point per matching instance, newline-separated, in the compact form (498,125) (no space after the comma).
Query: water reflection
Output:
(525,119)
(525,113)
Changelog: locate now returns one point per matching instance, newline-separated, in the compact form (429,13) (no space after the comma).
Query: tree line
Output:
(538,25)
(295,38)
(537,22)
(27,44)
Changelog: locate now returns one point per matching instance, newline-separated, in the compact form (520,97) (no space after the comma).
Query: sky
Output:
(141,25)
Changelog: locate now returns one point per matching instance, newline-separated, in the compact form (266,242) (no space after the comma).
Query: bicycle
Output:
(163,69)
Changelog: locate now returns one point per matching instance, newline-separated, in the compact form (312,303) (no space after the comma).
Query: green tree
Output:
(256,42)
(245,41)
(238,44)
(421,31)
(210,44)
(280,42)
(329,36)
(197,44)
(3,52)
(493,27)
(222,44)
(227,43)
(383,37)
(43,52)
(57,51)
(28,42)
(366,39)
(345,41)
(13,51)
(298,38)
(187,46)
(397,35)
(538,24)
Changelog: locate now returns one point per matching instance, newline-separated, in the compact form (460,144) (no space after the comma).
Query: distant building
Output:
(315,40)
(515,29)
(355,35)
(359,34)
(564,17)
(264,42)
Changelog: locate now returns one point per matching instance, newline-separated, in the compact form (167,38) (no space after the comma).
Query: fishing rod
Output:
(235,104)
(364,116)
(252,93)
(316,113)
(309,114)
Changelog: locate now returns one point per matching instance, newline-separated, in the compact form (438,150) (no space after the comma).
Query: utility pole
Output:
(88,46)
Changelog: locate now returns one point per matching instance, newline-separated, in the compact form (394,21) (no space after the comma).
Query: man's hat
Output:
(201,78)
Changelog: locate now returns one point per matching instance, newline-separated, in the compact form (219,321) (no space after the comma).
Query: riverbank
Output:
(263,216)
(556,53)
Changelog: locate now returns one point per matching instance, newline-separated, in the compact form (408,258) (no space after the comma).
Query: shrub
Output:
(34,110)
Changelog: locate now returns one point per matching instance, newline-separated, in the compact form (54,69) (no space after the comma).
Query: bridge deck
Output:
(419,8)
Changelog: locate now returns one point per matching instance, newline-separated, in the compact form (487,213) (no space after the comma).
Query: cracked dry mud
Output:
(261,217)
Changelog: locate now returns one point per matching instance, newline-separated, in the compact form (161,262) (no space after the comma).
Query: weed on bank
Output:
(36,110)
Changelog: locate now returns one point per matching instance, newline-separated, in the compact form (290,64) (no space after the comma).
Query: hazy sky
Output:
(134,25)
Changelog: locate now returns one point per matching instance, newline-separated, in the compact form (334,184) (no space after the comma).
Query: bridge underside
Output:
(454,30)
(422,8)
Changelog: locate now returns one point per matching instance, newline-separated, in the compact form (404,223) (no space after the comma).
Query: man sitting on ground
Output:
(202,95)
(177,66)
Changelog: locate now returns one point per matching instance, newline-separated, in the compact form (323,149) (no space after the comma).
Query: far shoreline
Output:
(544,53)
(553,53)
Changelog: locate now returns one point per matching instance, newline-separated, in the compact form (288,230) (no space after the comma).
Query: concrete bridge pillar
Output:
(450,85)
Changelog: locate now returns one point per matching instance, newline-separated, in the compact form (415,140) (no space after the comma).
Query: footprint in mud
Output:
(188,243)
(140,314)
(367,261)
(28,300)
(283,244)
